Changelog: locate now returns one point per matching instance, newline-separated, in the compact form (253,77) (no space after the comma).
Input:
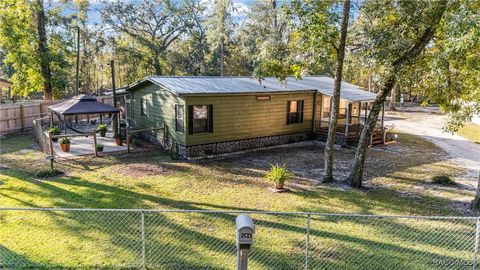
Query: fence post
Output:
(95,144)
(477,227)
(50,144)
(307,242)
(143,239)
(22,117)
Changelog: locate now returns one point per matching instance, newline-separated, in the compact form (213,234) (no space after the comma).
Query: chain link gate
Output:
(197,239)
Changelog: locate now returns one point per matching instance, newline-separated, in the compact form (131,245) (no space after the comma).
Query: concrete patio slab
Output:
(81,146)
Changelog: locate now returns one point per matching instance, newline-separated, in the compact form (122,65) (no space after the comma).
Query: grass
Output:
(398,184)
(471,132)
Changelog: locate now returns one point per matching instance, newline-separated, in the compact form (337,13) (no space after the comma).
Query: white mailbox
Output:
(245,232)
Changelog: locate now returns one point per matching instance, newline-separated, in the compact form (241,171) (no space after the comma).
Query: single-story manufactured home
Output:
(216,115)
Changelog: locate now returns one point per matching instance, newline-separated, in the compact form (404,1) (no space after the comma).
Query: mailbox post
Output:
(245,231)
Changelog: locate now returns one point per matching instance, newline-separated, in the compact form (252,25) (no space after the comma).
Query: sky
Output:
(242,7)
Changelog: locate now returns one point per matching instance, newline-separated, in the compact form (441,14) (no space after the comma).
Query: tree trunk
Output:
(356,175)
(222,56)
(43,52)
(355,178)
(393,98)
(332,129)
(476,202)
(156,65)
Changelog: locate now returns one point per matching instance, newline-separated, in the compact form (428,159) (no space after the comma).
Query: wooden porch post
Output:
(347,119)
(321,111)
(127,131)
(366,111)
(314,119)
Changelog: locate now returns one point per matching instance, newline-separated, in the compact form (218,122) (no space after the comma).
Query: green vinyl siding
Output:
(160,109)
(238,117)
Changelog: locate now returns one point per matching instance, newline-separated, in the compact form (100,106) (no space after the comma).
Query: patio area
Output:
(81,146)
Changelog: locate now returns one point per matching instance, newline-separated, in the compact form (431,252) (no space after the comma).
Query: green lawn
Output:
(471,132)
(398,183)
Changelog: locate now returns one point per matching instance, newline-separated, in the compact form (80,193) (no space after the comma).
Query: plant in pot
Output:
(118,139)
(54,130)
(278,175)
(65,144)
(103,129)
(99,147)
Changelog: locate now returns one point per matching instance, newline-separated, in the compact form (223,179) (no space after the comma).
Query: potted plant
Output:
(65,144)
(54,130)
(103,129)
(278,175)
(118,139)
(99,147)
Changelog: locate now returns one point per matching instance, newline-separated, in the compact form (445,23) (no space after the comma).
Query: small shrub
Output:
(136,142)
(49,173)
(54,130)
(102,127)
(99,147)
(443,180)
(278,174)
(64,141)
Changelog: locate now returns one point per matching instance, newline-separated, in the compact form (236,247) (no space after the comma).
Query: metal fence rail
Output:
(198,239)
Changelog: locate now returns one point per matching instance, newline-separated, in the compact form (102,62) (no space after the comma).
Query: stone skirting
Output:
(222,148)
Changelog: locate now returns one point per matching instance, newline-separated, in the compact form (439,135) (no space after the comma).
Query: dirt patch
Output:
(138,170)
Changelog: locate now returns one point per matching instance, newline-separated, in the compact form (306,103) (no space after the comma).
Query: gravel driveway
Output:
(429,125)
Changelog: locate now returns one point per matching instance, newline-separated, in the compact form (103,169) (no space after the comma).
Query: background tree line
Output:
(429,49)
(38,41)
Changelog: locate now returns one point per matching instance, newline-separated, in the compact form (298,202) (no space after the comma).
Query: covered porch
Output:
(353,113)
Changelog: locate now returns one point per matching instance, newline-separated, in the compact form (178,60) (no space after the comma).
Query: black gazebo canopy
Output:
(82,104)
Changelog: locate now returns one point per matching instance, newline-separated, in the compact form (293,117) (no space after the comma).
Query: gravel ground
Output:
(429,126)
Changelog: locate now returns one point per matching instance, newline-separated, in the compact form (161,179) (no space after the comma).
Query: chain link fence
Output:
(164,239)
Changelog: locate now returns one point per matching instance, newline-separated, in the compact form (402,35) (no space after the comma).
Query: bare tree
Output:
(154,24)
(332,129)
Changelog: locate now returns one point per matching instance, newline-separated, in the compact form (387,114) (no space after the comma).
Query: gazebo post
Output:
(101,119)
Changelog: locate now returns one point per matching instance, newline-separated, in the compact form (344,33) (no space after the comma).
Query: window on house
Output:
(294,111)
(143,106)
(179,126)
(200,118)
(326,108)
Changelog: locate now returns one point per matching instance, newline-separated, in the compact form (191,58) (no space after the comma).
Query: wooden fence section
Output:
(15,117)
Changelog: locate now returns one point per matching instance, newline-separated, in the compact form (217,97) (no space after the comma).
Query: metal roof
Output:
(82,104)
(198,85)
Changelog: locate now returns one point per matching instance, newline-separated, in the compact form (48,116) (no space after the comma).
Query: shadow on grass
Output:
(200,240)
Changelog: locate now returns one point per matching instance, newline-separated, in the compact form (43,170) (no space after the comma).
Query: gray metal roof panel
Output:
(244,85)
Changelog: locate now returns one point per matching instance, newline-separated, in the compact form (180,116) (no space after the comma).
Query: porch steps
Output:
(377,137)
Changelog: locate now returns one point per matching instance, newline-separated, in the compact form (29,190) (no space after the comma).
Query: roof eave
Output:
(246,93)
